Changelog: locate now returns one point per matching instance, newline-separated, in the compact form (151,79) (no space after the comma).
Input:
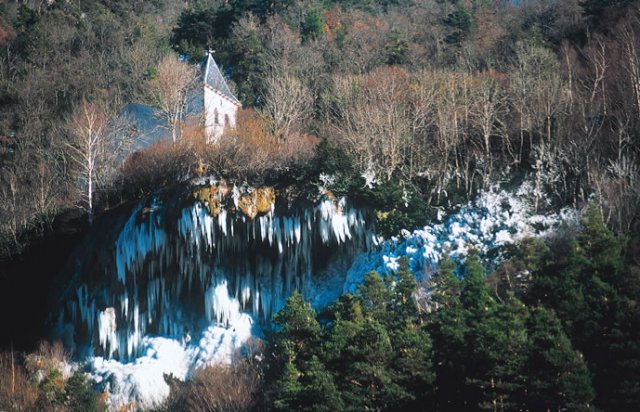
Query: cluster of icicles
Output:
(168,271)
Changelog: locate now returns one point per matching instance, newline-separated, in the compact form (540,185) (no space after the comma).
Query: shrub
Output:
(80,395)
(218,388)
(16,390)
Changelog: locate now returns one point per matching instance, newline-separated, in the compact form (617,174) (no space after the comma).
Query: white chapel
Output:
(220,105)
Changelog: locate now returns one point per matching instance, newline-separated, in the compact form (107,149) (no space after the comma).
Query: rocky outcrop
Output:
(249,201)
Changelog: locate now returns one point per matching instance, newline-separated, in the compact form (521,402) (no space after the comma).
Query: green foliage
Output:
(28,31)
(397,48)
(460,22)
(312,25)
(299,329)
(288,389)
(374,354)
(319,392)
(53,387)
(196,30)
(398,206)
(490,352)
(80,395)
(375,297)
(558,378)
(593,290)
(475,296)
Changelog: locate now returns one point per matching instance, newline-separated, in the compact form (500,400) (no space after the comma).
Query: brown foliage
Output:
(160,164)
(48,357)
(16,391)
(253,150)
(246,152)
(219,388)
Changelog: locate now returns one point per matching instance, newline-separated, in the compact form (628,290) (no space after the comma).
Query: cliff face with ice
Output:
(169,270)
(183,284)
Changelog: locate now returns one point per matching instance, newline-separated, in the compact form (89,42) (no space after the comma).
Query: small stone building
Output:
(220,105)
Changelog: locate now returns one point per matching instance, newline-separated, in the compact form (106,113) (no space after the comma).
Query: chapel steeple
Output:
(220,105)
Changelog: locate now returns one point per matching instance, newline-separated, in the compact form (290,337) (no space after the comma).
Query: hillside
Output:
(420,202)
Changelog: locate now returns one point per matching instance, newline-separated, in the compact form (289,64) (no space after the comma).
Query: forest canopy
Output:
(438,97)
(405,105)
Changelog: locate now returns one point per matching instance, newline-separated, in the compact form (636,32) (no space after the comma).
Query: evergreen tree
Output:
(475,296)
(375,297)
(500,350)
(404,285)
(593,291)
(448,329)
(80,395)
(369,382)
(445,286)
(557,376)
(298,327)
(479,344)
(288,386)
(319,392)
(495,336)
(293,346)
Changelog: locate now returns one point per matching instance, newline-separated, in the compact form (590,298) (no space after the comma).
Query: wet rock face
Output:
(248,200)
(258,201)
(170,257)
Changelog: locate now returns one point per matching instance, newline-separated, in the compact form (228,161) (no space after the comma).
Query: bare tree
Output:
(14,216)
(449,113)
(88,145)
(488,109)
(617,189)
(287,103)
(375,119)
(630,39)
(169,90)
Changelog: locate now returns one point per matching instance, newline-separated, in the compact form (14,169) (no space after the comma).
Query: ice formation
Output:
(141,381)
(495,219)
(184,288)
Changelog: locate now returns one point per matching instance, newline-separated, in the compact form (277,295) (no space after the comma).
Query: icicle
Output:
(107,331)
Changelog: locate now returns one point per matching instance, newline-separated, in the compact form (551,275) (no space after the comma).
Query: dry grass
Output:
(17,393)
(231,388)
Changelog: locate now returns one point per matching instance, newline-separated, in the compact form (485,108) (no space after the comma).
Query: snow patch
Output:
(495,219)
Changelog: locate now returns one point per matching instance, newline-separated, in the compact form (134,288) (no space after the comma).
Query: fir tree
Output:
(557,376)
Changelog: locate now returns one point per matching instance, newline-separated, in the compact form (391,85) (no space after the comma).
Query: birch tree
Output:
(169,89)
(88,146)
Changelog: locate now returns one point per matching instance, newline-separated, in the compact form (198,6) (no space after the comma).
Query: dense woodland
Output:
(439,98)
(565,340)
(409,104)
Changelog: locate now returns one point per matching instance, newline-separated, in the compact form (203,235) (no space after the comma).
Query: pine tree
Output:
(594,292)
(319,392)
(444,285)
(500,349)
(298,327)
(404,285)
(287,387)
(370,383)
(375,297)
(557,376)
(448,329)
(292,348)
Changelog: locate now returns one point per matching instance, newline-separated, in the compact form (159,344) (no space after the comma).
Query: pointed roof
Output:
(214,79)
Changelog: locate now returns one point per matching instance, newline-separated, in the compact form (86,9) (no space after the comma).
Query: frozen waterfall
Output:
(170,271)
